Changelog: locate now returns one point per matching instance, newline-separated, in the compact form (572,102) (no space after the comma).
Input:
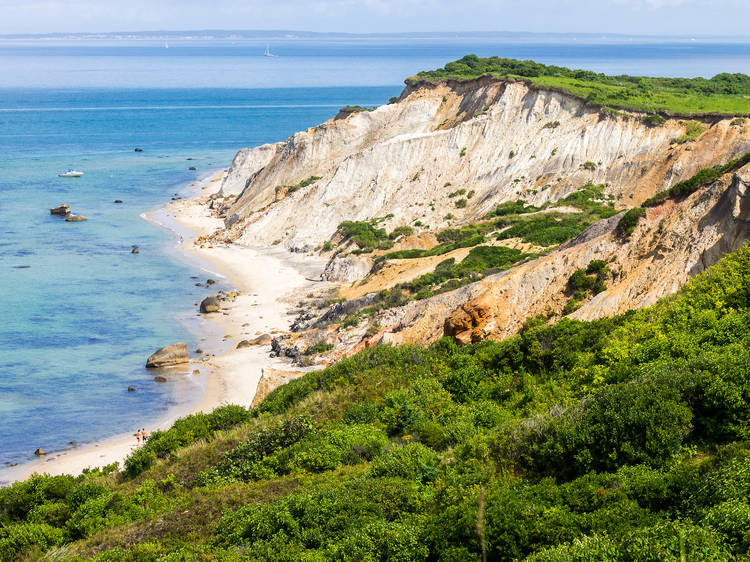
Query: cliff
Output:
(500,140)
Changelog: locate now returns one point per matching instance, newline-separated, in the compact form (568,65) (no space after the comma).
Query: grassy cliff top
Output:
(724,94)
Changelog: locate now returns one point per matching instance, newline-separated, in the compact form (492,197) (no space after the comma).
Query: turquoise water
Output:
(80,313)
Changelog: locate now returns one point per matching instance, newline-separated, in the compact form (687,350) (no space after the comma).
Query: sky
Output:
(647,17)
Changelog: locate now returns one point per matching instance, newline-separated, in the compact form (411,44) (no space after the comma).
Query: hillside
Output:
(619,439)
(530,340)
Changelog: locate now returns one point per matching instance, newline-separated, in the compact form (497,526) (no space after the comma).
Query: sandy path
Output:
(266,278)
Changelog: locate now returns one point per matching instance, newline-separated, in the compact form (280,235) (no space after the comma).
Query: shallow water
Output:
(80,313)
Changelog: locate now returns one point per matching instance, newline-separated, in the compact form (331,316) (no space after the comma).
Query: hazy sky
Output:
(672,17)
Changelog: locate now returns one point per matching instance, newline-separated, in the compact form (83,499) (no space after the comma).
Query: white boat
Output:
(71,173)
(268,52)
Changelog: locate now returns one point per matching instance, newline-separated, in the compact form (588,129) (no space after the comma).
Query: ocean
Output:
(80,312)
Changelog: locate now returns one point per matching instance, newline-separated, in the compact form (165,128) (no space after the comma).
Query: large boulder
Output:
(61,210)
(347,270)
(175,354)
(210,304)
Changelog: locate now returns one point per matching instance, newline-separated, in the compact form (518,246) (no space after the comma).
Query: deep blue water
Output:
(79,321)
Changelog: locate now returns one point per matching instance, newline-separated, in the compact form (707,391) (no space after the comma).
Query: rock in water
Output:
(75,218)
(134,250)
(191,168)
(174,354)
(61,210)
(40,452)
(118,200)
(210,304)
(159,378)
(139,150)
(131,389)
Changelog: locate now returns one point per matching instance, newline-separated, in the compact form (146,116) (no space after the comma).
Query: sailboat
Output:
(268,52)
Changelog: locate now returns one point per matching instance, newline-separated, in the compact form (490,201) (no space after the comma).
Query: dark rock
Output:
(134,250)
(198,350)
(40,452)
(174,354)
(159,378)
(210,304)
(188,158)
(131,389)
(14,464)
(75,218)
(61,210)
(191,168)
(210,281)
(199,284)
(118,200)
(139,150)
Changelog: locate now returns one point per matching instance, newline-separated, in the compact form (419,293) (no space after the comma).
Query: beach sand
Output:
(267,278)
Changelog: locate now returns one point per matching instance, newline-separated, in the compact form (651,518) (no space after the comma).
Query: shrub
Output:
(693,129)
(461,203)
(551,125)
(589,165)
(654,120)
(628,221)
(463,152)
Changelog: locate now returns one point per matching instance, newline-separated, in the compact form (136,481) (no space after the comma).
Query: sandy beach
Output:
(267,280)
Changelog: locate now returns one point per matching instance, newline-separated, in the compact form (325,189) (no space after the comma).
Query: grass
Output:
(724,94)
(304,183)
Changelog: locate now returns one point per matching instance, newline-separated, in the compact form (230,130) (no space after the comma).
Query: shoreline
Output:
(267,279)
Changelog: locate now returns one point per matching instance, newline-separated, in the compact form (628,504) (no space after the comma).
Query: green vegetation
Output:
(463,152)
(461,203)
(551,125)
(552,228)
(629,221)
(589,165)
(457,193)
(621,439)
(586,282)
(693,129)
(654,120)
(724,94)
(703,177)
(292,188)
(367,236)
(318,348)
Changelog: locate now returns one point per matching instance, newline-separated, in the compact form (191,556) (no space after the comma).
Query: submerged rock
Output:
(210,304)
(174,354)
(118,200)
(160,378)
(191,168)
(139,150)
(75,218)
(40,452)
(61,210)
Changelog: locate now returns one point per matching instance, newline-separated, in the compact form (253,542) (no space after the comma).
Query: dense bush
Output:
(627,438)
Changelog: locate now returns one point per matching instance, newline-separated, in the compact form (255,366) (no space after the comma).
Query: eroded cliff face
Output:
(672,243)
(497,140)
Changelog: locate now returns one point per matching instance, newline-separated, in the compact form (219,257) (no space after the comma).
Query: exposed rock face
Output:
(264,339)
(61,210)
(348,269)
(175,354)
(210,304)
(674,242)
(270,380)
(486,136)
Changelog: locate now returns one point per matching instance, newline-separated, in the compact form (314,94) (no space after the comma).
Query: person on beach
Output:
(138,436)
(144,434)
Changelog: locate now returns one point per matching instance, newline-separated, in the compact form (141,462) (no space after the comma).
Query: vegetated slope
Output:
(493,140)
(618,439)
(724,94)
